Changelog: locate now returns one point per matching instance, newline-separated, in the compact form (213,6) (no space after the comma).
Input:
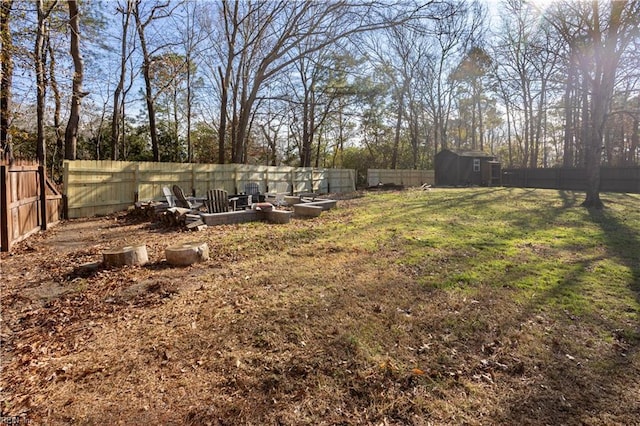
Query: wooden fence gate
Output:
(28,203)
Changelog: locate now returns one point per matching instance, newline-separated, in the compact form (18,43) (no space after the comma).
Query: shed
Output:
(464,168)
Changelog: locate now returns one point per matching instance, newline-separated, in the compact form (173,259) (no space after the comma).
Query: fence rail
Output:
(403,177)
(28,203)
(103,187)
(612,179)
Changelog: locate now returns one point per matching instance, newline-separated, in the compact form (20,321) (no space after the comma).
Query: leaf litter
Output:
(284,324)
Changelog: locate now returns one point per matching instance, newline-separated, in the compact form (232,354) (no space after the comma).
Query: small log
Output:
(160,208)
(127,255)
(187,253)
(164,218)
(88,268)
(178,211)
(193,225)
(189,218)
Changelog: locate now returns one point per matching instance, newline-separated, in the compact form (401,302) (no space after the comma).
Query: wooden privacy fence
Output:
(400,177)
(612,179)
(28,203)
(103,187)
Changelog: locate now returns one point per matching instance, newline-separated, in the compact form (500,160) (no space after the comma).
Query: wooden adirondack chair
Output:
(281,189)
(253,189)
(182,201)
(217,201)
(171,199)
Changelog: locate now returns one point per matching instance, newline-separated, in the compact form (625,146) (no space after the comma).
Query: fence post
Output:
(65,183)
(42,177)
(136,183)
(292,179)
(311,179)
(235,179)
(5,238)
(193,179)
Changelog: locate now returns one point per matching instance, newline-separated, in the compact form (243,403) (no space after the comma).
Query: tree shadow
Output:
(568,392)
(622,241)
(318,335)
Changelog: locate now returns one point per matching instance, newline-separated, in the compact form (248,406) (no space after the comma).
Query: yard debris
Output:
(175,217)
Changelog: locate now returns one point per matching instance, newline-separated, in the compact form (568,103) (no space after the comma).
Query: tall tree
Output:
(471,73)
(39,54)
(314,91)
(264,39)
(192,38)
(158,11)
(456,26)
(169,73)
(125,11)
(603,33)
(57,112)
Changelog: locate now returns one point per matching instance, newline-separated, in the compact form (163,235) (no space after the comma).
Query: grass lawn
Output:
(451,306)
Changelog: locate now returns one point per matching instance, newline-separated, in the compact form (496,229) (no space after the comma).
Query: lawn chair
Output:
(253,190)
(182,201)
(171,199)
(218,201)
(281,189)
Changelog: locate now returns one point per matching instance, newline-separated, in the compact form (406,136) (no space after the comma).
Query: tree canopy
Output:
(328,84)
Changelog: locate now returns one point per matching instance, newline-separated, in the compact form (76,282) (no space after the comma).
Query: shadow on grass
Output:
(564,390)
(622,241)
(567,391)
(313,343)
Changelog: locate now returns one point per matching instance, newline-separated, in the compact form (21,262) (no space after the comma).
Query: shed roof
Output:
(470,153)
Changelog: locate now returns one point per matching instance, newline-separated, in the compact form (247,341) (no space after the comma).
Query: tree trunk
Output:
(568,155)
(71,133)
(6,79)
(307,126)
(241,125)
(57,123)
(539,123)
(146,69)
(396,138)
(594,141)
(231,31)
(593,154)
(117,94)
(480,121)
(607,55)
(224,99)
(41,89)
(189,144)
(127,255)
(635,142)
